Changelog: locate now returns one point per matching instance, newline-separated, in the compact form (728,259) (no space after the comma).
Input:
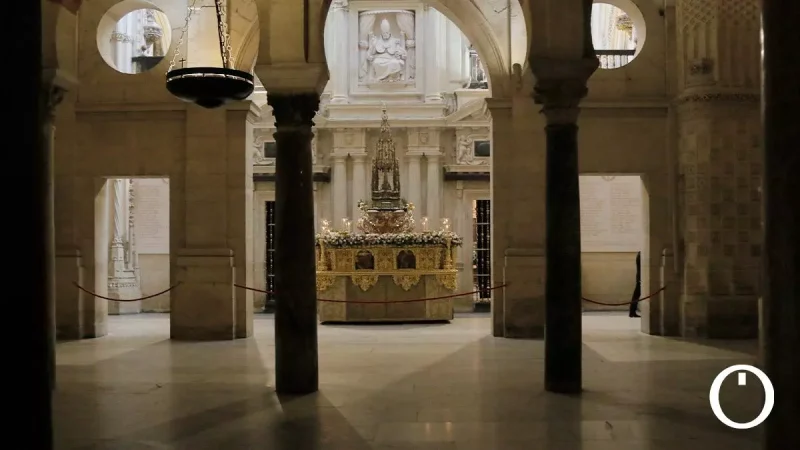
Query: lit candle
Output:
(325,225)
(424,224)
(445,224)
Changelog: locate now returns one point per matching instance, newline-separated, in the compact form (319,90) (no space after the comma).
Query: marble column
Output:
(781,101)
(413,185)
(719,166)
(433,56)
(434,182)
(560,86)
(336,38)
(32,229)
(339,181)
(296,358)
(359,187)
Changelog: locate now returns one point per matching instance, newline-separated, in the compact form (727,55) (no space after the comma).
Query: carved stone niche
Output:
(264,147)
(387,48)
(472,147)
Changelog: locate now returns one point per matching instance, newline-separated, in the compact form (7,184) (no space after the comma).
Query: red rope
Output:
(125,300)
(427,299)
(625,303)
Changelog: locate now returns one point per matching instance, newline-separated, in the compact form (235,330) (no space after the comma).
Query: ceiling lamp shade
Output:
(209,87)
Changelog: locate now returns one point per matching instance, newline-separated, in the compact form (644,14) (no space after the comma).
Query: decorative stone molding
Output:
(707,97)
(117,36)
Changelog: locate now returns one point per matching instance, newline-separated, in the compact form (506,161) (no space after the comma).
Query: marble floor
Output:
(428,387)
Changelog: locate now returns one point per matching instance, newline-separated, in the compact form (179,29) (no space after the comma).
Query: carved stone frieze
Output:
(117,36)
(464,148)
(708,97)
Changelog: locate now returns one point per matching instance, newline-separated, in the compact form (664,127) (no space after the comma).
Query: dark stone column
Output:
(29,226)
(296,359)
(559,88)
(781,98)
(51,96)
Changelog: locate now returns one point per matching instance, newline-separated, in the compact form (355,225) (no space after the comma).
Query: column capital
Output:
(55,84)
(337,156)
(340,5)
(560,86)
(359,157)
(294,110)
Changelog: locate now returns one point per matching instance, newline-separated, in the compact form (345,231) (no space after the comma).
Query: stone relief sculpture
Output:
(386,58)
(465,152)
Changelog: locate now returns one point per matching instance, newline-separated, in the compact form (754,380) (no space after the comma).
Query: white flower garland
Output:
(340,239)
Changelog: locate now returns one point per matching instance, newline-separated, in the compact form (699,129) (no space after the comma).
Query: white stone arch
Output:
(471,21)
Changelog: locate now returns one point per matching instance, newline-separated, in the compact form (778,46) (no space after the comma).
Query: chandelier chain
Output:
(223,33)
(182,37)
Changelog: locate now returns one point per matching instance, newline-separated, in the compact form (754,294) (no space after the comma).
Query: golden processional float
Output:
(388,271)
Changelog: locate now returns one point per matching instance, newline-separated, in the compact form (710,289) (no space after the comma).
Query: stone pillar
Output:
(433,207)
(433,56)
(211,213)
(122,282)
(719,166)
(33,217)
(560,85)
(296,359)
(413,185)
(359,187)
(339,181)
(51,95)
(336,38)
(781,100)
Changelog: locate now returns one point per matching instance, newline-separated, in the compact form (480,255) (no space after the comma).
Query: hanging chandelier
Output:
(209,87)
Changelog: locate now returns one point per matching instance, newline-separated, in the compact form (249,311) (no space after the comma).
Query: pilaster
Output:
(336,42)
(433,55)
(719,167)
(425,142)
(339,187)
(122,280)
(434,185)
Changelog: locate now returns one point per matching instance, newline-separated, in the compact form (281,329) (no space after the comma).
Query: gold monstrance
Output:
(387,212)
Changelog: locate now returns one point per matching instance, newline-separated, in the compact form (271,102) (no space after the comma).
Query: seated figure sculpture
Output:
(386,56)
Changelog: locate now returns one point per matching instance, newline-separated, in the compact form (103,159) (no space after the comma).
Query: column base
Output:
(124,288)
(203,305)
(524,300)
(720,317)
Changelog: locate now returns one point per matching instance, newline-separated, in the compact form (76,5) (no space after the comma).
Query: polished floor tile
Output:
(437,387)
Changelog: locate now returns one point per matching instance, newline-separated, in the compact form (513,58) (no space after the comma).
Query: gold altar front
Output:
(375,284)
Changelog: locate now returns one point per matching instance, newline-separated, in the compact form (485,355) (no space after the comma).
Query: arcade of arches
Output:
(672,160)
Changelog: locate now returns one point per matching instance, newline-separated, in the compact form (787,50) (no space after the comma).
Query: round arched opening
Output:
(618,32)
(133,36)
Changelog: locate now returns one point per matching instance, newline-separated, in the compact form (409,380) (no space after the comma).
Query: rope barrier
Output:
(427,299)
(94,294)
(663,288)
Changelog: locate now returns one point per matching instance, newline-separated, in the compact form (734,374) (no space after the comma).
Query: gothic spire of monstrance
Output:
(385,166)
